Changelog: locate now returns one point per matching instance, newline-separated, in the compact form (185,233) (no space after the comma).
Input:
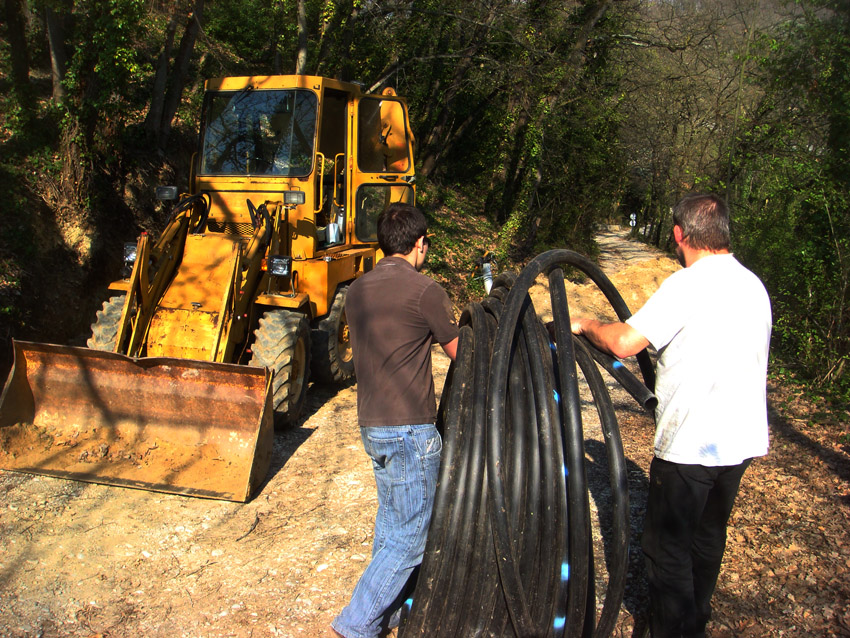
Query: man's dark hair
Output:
(399,226)
(704,220)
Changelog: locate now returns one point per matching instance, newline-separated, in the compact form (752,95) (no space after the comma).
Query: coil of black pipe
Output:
(509,550)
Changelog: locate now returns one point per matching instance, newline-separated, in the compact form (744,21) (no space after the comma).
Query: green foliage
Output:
(252,31)
(793,204)
(460,234)
(21,161)
(581,176)
(786,234)
(105,62)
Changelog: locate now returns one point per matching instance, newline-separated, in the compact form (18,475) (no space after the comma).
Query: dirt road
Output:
(90,560)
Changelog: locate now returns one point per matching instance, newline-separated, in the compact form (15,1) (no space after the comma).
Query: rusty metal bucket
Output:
(170,425)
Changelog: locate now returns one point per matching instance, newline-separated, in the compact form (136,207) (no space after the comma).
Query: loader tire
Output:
(282,344)
(333,361)
(104,330)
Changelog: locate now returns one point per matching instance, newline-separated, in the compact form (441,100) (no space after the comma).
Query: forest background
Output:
(536,122)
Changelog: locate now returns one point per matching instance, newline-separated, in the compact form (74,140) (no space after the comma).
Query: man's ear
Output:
(420,244)
(678,234)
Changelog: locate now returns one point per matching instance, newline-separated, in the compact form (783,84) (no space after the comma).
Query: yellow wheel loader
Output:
(215,326)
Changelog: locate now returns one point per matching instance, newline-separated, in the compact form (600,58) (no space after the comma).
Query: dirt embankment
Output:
(81,559)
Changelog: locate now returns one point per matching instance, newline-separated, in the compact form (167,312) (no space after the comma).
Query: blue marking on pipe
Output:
(565,571)
(566,471)
(617,364)
(408,603)
(559,623)
(557,396)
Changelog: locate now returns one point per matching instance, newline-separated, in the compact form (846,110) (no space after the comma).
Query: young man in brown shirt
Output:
(395,314)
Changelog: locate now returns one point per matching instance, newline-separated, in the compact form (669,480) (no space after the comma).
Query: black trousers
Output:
(683,541)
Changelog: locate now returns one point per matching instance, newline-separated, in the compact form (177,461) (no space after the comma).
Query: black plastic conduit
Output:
(509,549)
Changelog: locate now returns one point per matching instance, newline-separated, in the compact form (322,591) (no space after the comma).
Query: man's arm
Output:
(617,338)
(450,348)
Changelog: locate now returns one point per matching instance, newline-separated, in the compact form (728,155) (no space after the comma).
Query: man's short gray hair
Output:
(704,220)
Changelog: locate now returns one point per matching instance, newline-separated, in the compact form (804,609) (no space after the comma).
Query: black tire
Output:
(104,330)
(282,344)
(333,361)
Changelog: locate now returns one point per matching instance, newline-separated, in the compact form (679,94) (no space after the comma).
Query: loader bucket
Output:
(170,425)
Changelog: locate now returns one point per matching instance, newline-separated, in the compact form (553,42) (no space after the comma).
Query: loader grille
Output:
(230,228)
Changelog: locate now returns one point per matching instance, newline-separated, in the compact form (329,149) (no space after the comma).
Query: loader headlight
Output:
(129,253)
(293,198)
(129,260)
(166,193)
(279,265)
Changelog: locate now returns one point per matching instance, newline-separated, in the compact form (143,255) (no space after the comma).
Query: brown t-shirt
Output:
(395,314)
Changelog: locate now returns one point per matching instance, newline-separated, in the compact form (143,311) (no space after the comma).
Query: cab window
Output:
(382,136)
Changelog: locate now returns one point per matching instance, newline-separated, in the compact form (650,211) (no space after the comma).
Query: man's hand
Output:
(577,324)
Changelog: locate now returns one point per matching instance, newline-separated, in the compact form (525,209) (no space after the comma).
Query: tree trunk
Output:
(432,158)
(16,34)
(442,135)
(331,31)
(301,59)
(154,116)
(513,172)
(181,71)
(437,142)
(58,58)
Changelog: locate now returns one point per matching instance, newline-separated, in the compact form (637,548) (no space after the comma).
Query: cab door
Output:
(331,175)
(383,163)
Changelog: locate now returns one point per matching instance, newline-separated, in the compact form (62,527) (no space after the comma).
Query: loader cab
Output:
(345,154)
(350,153)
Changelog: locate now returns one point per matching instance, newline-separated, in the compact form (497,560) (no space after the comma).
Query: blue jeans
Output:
(406,462)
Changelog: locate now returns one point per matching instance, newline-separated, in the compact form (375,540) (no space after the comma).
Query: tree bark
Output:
(58,57)
(331,31)
(181,71)
(441,136)
(518,168)
(301,59)
(16,34)
(153,119)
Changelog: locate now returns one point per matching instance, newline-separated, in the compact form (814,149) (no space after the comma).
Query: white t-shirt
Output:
(710,324)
